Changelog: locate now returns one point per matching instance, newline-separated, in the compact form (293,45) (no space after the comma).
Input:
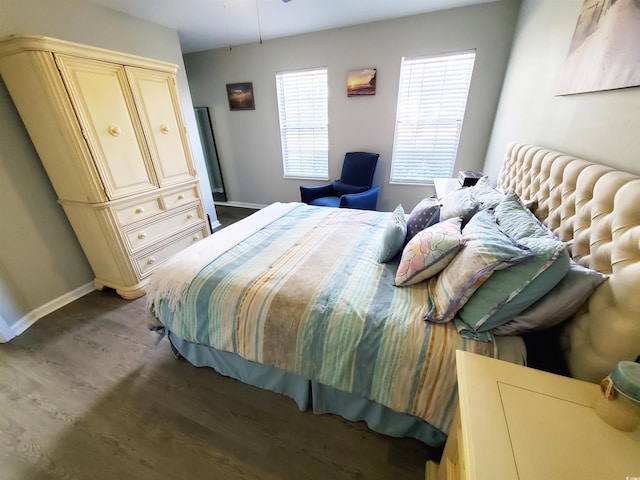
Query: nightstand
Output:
(515,422)
(445,185)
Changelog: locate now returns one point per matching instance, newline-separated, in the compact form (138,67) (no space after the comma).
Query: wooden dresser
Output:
(108,128)
(519,423)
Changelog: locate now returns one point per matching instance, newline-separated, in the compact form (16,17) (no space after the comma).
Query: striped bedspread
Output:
(305,294)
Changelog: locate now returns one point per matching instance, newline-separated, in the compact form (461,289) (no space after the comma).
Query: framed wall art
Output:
(604,53)
(361,82)
(240,96)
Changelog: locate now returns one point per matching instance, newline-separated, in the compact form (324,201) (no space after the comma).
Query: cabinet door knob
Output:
(180,197)
(139,210)
(164,129)
(189,216)
(151,260)
(114,130)
(196,238)
(142,235)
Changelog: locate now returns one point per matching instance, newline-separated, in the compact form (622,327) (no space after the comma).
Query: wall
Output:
(249,141)
(40,259)
(598,126)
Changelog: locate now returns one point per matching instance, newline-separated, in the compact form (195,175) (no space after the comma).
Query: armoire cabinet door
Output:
(105,109)
(159,109)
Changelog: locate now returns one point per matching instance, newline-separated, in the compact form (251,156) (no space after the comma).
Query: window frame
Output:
(305,117)
(397,174)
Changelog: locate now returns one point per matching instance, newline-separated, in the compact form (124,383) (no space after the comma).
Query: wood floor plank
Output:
(85,394)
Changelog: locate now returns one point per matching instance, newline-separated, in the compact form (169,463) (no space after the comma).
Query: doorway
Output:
(207,139)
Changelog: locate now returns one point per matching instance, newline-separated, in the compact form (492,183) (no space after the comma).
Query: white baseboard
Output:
(32,317)
(255,206)
(5,331)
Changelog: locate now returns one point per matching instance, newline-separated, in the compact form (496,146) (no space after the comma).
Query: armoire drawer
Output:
(149,261)
(145,235)
(140,210)
(175,198)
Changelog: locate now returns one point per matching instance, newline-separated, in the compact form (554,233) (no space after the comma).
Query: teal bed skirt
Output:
(309,394)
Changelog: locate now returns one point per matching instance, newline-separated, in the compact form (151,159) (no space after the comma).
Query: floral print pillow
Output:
(429,251)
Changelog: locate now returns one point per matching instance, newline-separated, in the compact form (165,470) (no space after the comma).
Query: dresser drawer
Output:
(134,212)
(149,261)
(175,198)
(145,235)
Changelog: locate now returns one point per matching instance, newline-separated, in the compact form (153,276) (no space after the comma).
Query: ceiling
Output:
(207,24)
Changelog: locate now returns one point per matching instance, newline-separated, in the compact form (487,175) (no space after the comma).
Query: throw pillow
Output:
(423,215)
(510,291)
(393,235)
(558,305)
(515,218)
(428,252)
(484,193)
(459,203)
(487,248)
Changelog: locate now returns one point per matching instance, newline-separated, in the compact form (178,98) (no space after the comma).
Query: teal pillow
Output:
(393,235)
(557,305)
(487,248)
(518,220)
(510,291)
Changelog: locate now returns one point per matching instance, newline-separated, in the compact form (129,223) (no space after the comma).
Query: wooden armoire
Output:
(109,130)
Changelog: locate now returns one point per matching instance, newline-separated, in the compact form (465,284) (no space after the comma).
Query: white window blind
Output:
(304,122)
(431,104)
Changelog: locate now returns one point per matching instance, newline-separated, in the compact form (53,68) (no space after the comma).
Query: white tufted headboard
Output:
(597,210)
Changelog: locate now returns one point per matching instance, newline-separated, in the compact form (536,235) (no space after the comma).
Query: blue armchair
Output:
(353,190)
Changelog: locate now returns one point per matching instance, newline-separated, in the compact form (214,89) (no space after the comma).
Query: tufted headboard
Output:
(597,210)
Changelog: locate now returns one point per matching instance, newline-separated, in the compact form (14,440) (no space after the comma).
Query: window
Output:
(431,104)
(304,122)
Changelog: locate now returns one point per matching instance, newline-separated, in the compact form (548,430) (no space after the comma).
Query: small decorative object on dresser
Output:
(517,422)
(109,131)
(467,178)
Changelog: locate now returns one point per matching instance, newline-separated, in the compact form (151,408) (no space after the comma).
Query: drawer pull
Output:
(114,130)
(164,129)
(189,216)
(181,197)
(142,235)
(139,210)
(196,238)
(151,260)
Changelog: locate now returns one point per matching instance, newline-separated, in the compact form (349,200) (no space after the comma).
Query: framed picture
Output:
(604,53)
(361,82)
(240,96)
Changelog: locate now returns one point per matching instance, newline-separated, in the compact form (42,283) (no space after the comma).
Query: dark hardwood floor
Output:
(85,394)
(227,214)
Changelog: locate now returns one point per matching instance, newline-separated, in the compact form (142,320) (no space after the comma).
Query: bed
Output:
(296,299)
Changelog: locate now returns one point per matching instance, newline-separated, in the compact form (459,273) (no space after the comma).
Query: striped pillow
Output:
(510,291)
(487,248)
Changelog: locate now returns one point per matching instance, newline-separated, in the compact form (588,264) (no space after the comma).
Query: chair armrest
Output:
(308,194)
(362,201)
